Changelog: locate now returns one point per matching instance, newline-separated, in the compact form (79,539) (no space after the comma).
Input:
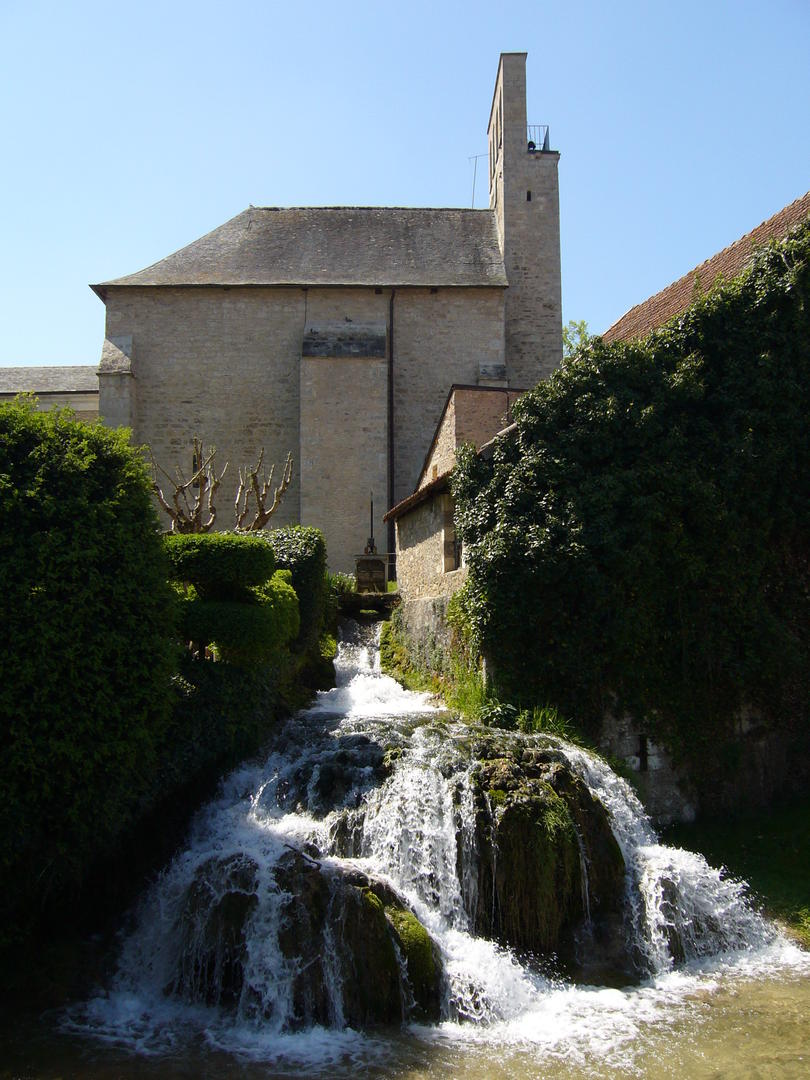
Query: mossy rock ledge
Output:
(336,928)
(551,876)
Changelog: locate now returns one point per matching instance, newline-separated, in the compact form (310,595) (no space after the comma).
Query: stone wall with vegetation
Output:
(640,546)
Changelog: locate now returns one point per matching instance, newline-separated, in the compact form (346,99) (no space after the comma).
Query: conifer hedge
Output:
(85,655)
(642,543)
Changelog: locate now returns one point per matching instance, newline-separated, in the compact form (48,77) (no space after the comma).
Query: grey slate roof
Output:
(336,245)
(68,378)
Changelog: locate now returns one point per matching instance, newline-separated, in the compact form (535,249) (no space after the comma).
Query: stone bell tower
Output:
(524,193)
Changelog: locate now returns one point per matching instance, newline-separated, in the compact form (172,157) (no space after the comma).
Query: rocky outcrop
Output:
(551,877)
(351,952)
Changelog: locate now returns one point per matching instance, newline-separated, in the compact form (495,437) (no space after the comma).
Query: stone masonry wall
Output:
(84,405)
(222,364)
(421,552)
(524,193)
(442,455)
(226,364)
(344,451)
(439,339)
(473,415)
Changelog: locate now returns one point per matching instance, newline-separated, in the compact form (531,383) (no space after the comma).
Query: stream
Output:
(376,782)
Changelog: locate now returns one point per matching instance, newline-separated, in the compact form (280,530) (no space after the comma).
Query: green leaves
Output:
(86,627)
(631,545)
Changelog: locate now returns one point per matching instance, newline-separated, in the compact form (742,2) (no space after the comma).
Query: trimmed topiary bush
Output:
(229,596)
(302,550)
(86,652)
(219,564)
(254,630)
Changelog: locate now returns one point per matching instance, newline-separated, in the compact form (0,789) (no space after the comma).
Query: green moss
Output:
(373,901)
(451,674)
(417,949)
(537,869)
(377,946)
(396,661)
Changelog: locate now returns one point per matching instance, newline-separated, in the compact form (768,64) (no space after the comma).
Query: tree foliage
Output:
(575,337)
(86,645)
(641,543)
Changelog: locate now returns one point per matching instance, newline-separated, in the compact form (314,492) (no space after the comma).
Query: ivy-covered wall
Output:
(640,546)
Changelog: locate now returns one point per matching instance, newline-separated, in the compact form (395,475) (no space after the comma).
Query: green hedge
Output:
(254,630)
(219,563)
(86,651)
(302,550)
(641,544)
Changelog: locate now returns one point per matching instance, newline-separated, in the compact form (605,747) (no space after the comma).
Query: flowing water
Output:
(380,774)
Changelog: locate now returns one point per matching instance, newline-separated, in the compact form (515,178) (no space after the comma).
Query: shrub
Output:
(219,564)
(302,550)
(253,630)
(235,601)
(86,650)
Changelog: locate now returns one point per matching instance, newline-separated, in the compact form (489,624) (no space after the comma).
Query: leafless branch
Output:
(192,507)
(255,486)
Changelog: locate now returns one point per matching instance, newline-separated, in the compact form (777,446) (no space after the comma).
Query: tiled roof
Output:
(65,379)
(441,483)
(336,246)
(727,264)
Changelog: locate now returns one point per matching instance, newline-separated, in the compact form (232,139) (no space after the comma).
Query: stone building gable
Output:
(335,333)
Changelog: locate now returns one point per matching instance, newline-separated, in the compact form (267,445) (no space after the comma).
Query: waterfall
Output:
(364,820)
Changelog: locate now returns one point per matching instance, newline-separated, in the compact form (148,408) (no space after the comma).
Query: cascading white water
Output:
(376,779)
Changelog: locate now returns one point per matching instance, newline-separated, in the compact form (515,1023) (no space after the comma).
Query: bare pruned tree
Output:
(254,486)
(192,507)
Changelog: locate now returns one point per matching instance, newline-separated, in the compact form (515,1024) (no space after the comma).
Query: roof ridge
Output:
(336,245)
(341,206)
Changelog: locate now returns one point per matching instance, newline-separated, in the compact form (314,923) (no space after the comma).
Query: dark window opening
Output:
(528,196)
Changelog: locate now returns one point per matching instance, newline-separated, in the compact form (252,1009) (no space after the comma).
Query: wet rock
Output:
(218,904)
(353,932)
(336,775)
(551,877)
(350,952)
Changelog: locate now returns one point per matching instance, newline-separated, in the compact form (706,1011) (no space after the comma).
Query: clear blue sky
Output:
(131,129)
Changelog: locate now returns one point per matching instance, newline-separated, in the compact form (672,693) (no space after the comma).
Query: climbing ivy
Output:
(640,544)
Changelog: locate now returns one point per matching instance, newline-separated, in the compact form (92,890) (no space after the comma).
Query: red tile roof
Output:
(727,264)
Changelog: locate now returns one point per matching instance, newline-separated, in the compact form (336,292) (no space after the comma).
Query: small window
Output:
(528,196)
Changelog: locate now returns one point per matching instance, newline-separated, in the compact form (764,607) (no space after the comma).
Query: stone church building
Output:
(336,333)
